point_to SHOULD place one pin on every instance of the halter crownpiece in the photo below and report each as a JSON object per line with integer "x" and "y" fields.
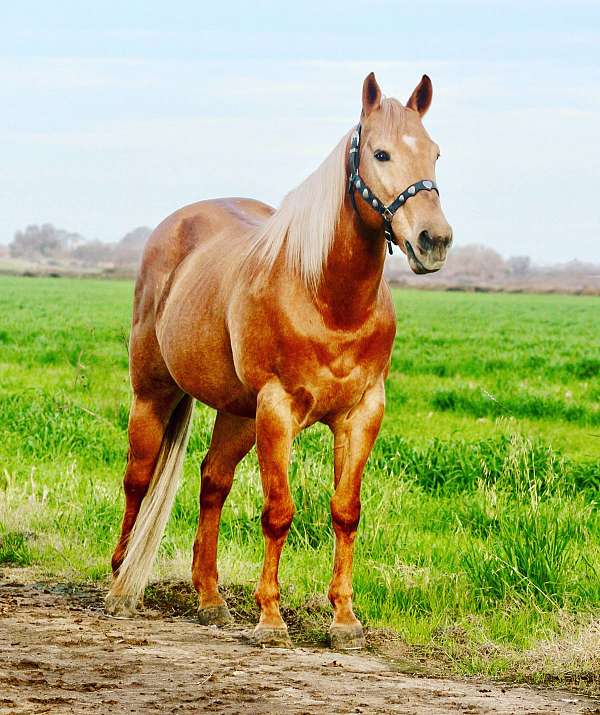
{"x": 356, "y": 183}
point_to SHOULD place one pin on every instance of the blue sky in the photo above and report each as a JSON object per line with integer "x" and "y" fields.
{"x": 115, "y": 114}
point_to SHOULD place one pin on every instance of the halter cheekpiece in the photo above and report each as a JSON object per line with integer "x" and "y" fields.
{"x": 356, "y": 183}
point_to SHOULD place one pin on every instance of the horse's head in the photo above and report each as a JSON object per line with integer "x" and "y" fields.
{"x": 397, "y": 170}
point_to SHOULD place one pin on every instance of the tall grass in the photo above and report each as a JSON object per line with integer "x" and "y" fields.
{"x": 480, "y": 520}
{"x": 479, "y": 402}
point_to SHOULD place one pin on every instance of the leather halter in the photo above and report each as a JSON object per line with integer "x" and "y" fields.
{"x": 356, "y": 183}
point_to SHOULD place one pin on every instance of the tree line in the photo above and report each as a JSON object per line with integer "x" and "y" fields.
{"x": 47, "y": 244}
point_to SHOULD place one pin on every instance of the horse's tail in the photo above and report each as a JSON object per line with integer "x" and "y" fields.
{"x": 144, "y": 540}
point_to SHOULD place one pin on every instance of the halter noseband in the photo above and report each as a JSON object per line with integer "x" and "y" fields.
{"x": 356, "y": 183}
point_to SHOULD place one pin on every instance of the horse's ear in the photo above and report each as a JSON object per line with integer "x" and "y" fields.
{"x": 420, "y": 99}
{"x": 371, "y": 95}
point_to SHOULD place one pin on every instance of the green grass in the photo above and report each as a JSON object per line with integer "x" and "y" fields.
{"x": 480, "y": 531}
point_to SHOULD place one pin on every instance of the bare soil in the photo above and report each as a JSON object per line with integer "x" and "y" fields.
{"x": 59, "y": 653}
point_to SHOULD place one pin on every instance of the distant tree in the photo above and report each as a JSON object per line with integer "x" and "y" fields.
{"x": 519, "y": 266}
{"x": 475, "y": 261}
{"x": 94, "y": 252}
{"x": 46, "y": 243}
{"x": 128, "y": 251}
{"x": 43, "y": 243}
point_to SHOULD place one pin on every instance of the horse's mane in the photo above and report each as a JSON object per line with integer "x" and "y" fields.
{"x": 304, "y": 224}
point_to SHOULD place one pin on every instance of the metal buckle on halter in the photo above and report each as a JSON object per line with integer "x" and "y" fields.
{"x": 387, "y": 215}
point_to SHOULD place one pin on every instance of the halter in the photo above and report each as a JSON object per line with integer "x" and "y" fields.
{"x": 356, "y": 183}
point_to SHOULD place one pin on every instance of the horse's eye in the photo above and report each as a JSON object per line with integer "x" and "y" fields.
{"x": 382, "y": 155}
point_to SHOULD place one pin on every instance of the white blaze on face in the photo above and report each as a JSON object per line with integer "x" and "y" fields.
{"x": 411, "y": 142}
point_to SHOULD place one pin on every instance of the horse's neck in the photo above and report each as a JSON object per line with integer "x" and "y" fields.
{"x": 353, "y": 273}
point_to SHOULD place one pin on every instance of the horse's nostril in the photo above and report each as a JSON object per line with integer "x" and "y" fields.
{"x": 425, "y": 241}
{"x": 428, "y": 243}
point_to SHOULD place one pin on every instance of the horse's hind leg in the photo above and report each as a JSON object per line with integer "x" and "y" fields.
{"x": 232, "y": 439}
{"x": 148, "y": 420}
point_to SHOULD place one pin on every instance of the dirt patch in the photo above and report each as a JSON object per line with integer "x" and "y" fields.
{"x": 60, "y": 654}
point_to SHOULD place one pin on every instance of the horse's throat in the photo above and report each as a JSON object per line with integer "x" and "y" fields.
{"x": 350, "y": 285}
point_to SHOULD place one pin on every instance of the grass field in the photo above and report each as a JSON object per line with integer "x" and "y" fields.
{"x": 480, "y": 536}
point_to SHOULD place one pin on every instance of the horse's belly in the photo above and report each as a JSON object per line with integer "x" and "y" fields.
{"x": 195, "y": 345}
{"x": 201, "y": 365}
{"x": 213, "y": 384}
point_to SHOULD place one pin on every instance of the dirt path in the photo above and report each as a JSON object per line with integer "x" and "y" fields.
{"x": 62, "y": 655}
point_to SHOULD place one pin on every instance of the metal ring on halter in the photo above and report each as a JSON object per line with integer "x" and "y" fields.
{"x": 356, "y": 183}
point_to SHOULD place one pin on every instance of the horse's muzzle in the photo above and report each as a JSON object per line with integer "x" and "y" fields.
{"x": 428, "y": 254}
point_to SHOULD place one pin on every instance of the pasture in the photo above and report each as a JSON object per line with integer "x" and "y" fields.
{"x": 479, "y": 541}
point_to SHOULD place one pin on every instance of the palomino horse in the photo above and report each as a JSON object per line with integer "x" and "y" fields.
{"x": 277, "y": 320}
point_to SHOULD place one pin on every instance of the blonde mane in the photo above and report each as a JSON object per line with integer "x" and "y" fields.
{"x": 304, "y": 224}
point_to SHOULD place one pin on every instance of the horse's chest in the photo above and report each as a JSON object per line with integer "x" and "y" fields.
{"x": 337, "y": 374}
{"x": 347, "y": 363}
{"x": 363, "y": 363}
{"x": 325, "y": 370}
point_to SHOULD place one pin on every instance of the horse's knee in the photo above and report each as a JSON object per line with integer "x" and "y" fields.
{"x": 345, "y": 514}
{"x": 277, "y": 518}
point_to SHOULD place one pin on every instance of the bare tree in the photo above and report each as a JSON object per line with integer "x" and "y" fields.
{"x": 44, "y": 243}
{"x": 93, "y": 253}
{"x": 478, "y": 262}
{"x": 519, "y": 266}
{"x": 128, "y": 251}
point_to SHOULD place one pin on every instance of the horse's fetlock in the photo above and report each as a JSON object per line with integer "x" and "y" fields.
{"x": 340, "y": 594}
{"x": 266, "y": 593}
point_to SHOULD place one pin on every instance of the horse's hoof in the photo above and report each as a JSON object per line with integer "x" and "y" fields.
{"x": 349, "y": 637}
{"x": 272, "y": 637}
{"x": 120, "y": 606}
{"x": 215, "y": 615}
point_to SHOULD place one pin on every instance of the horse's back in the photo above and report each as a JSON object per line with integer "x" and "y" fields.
{"x": 224, "y": 222}
{"x": 189, "y": 227}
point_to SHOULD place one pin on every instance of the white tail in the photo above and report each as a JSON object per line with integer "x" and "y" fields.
{"x": 144, "y": 540}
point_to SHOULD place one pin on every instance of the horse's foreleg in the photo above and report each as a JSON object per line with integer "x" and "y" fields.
{"x": 232, "y": 439}
{"x": 274, "y": 435}
{"x": 148, "y": 419}
{"x": 354, "y": 436}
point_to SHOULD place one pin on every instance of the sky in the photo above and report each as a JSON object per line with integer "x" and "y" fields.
{"x": 114, "y": 114}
